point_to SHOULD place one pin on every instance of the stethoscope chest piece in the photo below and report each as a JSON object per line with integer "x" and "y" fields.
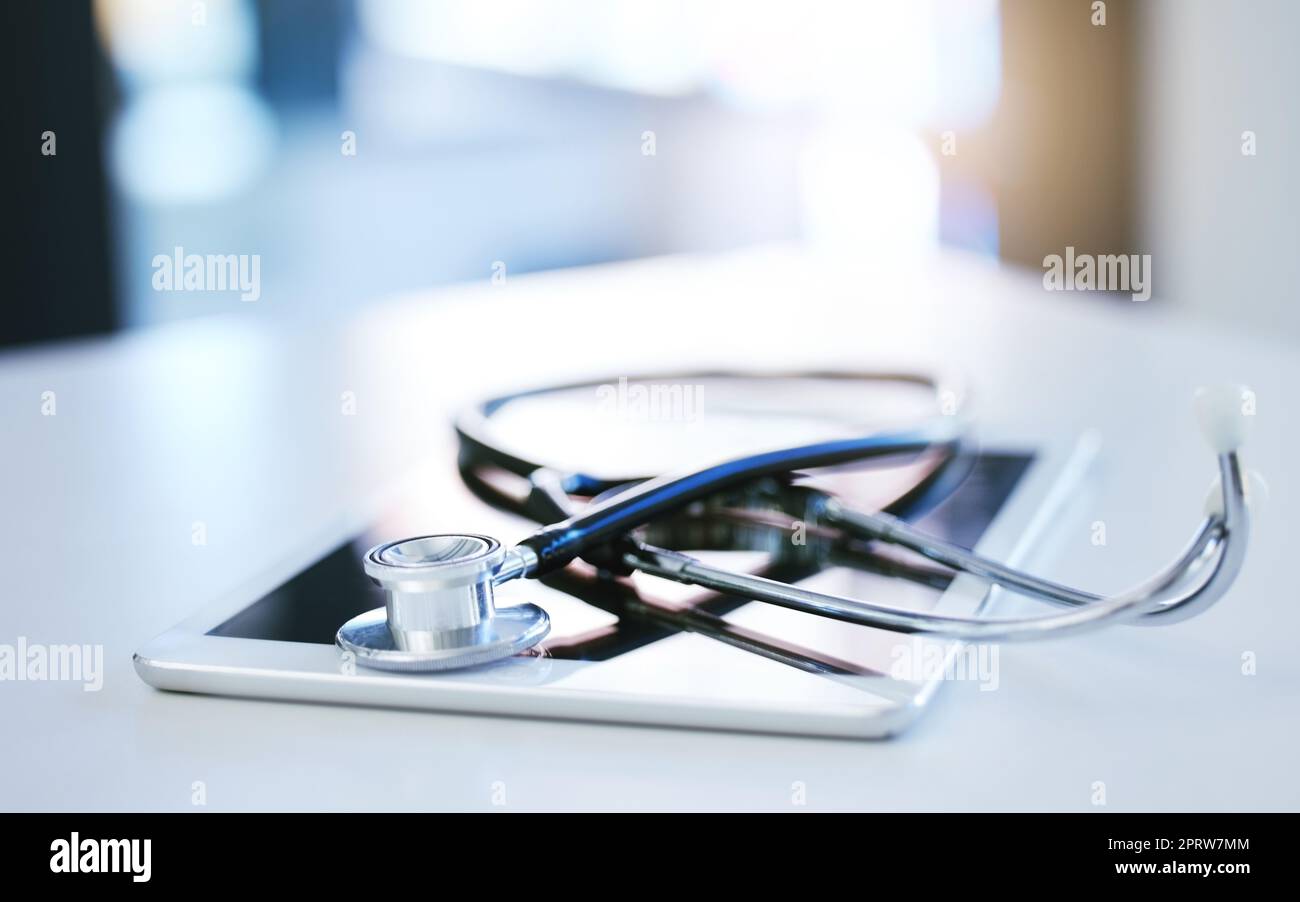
{"x": 440, "y": 613}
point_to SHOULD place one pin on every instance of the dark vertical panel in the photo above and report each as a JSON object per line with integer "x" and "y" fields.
{"x": 57, "y": 280}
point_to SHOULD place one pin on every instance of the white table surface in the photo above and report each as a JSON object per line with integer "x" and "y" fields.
{"x": 236, "y": 422}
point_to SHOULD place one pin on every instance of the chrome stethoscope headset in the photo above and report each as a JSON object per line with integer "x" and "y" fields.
{"x": 440, "y": 613}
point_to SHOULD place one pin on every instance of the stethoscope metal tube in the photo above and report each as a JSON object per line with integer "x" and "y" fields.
{"x": 1151, "y": 597}
{"x": 440, "y": 612}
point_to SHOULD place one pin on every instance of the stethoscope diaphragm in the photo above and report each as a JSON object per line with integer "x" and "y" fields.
{"x": 440, "y": 613}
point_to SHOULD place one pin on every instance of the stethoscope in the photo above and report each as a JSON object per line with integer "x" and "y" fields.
{"x": 440, "y": 612}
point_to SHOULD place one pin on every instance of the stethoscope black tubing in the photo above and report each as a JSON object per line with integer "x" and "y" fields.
{"x": 476, "y": 447}
{"x": 604, "y": 521}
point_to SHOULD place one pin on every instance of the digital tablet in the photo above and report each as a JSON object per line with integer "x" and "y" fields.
{"x": 640, "y": 649}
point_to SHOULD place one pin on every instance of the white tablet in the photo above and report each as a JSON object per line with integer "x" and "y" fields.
{"x": 640, "y": 649}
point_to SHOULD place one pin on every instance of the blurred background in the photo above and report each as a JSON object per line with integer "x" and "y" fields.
{"x": 366, "y": 147}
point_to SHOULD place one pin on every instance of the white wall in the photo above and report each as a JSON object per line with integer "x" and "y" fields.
{"x": 1223, "y": 229}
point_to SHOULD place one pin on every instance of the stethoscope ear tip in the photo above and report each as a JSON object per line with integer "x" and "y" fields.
{"x": 1224, "y": 413}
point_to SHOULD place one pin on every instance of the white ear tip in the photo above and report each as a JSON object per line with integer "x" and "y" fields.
{"x": 1224, "y": 413}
